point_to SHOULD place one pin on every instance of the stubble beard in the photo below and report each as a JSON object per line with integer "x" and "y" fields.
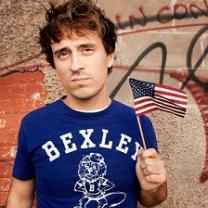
{"x": 84, "y": 96}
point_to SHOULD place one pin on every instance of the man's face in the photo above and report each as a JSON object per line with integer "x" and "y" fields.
{"x": 81, "y": 63}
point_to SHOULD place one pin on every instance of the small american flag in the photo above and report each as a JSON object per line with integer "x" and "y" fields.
{"x": 150, "y": 96}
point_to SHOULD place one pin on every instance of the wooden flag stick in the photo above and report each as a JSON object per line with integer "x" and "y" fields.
{"x": 141, "y": 132}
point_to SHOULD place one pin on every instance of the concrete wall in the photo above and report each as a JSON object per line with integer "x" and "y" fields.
{"x": 177, "y": 30}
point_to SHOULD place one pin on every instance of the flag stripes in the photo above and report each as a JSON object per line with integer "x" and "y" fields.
{"x": 149, "y": 96}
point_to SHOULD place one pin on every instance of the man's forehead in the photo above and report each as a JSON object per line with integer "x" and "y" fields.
{"x": 90, "y": 37}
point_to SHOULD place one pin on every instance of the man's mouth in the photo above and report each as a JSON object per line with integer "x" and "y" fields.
{"x": 80, "y": 80}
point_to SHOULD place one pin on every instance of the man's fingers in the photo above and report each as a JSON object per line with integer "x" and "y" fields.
{"x": 148, "y": 153}
{"x": 151, "y": 162}
{"x": 152, "y": 166}
{"x": 151, "y": 169}
{"x": 155, "y": 178}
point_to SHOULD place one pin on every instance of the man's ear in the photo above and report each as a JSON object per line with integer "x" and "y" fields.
{"x": 111, "y": 58}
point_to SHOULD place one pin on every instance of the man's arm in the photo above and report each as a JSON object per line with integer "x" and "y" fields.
{"x": 152, "y": 198}
{"x": 151, "y": 174}
{"x": 21, "y": 194}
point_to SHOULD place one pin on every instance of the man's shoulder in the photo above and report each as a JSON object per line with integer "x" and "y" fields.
{"x": 130, "y": 111}
{"x": 41, "y": 112}
{"x": 123, "y": 108}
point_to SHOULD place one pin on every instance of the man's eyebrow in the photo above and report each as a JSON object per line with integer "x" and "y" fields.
{"x": 58, "y": 51}
{"x": 85, "y": 45}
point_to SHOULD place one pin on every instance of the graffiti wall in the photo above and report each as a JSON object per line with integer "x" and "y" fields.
{"x": 164, "y": 41}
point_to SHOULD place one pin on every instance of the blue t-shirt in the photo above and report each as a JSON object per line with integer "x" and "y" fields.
{"x": 82, "y": 160}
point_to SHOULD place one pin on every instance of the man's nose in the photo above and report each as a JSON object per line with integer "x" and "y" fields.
{"x": 76, "y": 64}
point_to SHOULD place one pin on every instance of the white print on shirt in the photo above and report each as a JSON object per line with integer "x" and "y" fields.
{"x": 70, "y": 145}
{"x": 92, "y": 171}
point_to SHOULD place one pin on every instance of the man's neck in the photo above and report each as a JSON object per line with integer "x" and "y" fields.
{"x": 87, "y": 105}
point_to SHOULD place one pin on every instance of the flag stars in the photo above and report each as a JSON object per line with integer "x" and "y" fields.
{"x": 141, "y": 89}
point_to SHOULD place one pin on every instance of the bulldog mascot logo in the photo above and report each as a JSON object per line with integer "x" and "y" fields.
{"x": 94, "y": 185}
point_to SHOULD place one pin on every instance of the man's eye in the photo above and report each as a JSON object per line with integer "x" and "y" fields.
{"x": 63, "y": 54}
{"x": 88, "y": 51}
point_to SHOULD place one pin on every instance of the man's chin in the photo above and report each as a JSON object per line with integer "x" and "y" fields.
{"x": 84, "y": 96}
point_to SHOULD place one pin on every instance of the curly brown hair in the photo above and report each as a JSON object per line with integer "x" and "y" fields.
{"x": 76, "y": 16}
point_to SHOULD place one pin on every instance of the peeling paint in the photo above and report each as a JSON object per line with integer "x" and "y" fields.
{"x": 13, "y": 151}
{"x": 2, "y": 112}
{"x": 2, "y": 123}
{"x": 36, "y": 96}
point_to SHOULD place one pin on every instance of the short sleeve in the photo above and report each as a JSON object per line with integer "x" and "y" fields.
{"x": 23, "y": 168}
{"x": 149, "y": 133}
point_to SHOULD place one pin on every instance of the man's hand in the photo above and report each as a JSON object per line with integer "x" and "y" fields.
{"x": 151, "y": 173}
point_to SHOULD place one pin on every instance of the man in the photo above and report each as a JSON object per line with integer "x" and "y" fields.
{"x": 84, "y": 150}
